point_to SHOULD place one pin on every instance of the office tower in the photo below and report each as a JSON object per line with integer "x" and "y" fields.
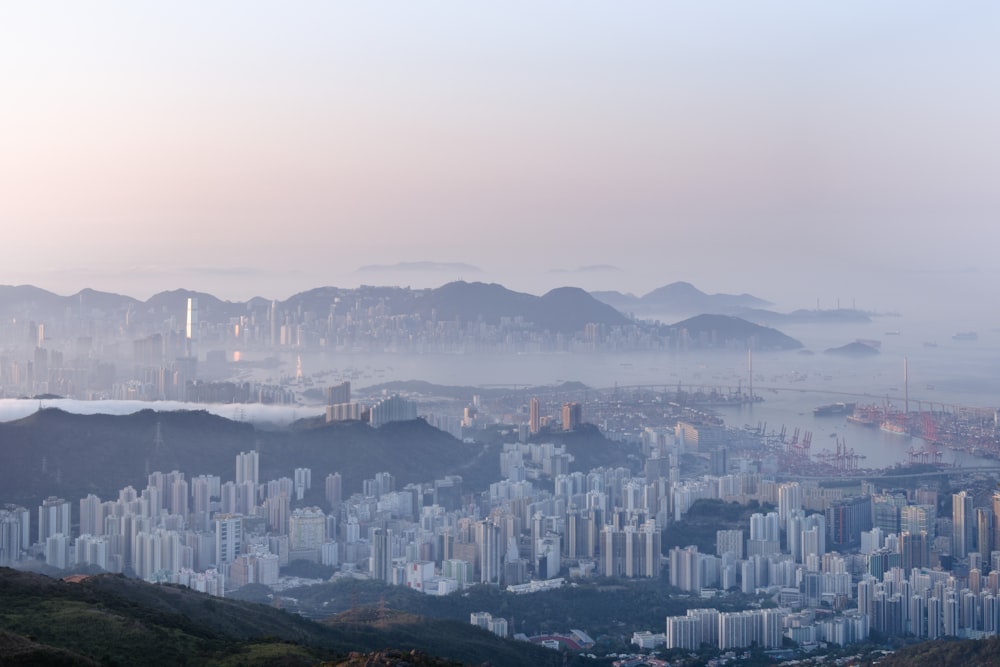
{"x": 248, "y": 467}
{"x": 53, "y": 518}
{"x": 534, "y": 416}
{"x": 963, "y": 522}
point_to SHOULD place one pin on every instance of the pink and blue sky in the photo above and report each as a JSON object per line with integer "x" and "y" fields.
{"x": 795, "y": 150}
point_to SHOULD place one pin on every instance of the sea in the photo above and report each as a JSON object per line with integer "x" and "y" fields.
{"x": 940, "y": 371}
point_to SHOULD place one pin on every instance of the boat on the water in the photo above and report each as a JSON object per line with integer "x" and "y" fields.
{"x": 896, "y": 428}
{"x": 834, "y": 409}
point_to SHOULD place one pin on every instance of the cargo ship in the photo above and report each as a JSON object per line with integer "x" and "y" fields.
{"x": 834, "y": 409}
{"x": 889, "y": 426}
{"x": 866, "y": 415}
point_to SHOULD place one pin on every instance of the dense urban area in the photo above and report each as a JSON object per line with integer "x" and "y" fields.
{"x": 761, "y": 545}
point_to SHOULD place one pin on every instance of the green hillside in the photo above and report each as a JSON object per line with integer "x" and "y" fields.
{"x": 113, "y": 620}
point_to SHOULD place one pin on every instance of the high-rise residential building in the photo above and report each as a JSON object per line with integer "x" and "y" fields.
{"x": 914, "y": 550}
{"x": 303, "y": 482}
{"x": 307, "y": 528}
{"x": 996, "y": 521}
{"x": 985, "y": 527}
{"x": 395, "y": 408}
{"x": 789, "y": 498}
{"x": 489, "y": 547}
{"x": 228, "y": 537}
{"x": 334, "y": 490}
{"x": 685, "y": 568}
{"x": 339, "y": 393}
{"x": 203, "y": 489}
{"x": 53, "y": 518}
{"x": 15, "y": 533}
{"x": 534, "y": 416}
{"x": 729, "y": 541}
{"x": 248, "y": 467}
{"x": 277, "y": 509}
{"x": 178, "y": 496}
{"x": 91, "y": 515}
{"x": 274, "y": 323}
{"x": 962, "y": 524}
{"x": 572, "y": 416}
{"x": 381, "y": 558}
{"x": 191, "y": 331}
{"x": 846, "y": 519}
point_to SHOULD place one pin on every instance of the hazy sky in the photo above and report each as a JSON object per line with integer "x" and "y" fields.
{"x": 797, "y": 150}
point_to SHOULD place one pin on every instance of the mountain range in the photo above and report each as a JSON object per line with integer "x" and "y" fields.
{"x": 680, "y": 298}
{"x": 53, "y": 452}
{"x": 560, "y": 309}
{"x": 565, "y": 310}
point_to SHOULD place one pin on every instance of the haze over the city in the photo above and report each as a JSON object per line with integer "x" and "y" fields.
{"x": 798, "y": 151}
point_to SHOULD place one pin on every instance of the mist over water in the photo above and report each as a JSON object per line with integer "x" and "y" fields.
{"x": 941, "y": 370}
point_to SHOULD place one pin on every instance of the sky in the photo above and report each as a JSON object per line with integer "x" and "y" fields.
{"x": 801, "y": 151}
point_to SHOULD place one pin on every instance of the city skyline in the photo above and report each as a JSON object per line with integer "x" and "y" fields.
{"x": 796, "y": 152}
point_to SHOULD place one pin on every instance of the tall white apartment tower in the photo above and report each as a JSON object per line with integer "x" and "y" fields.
{"x": 191, "y": 332}
{"x": 248, "y": 467}
{"x": 53, "y": 518}
{"x": 963, "y": 522}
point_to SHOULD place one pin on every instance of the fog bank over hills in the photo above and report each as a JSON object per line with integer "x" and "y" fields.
{"x": 12, "y": 409}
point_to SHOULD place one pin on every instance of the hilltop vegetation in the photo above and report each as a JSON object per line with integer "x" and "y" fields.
{"x": 112, "y": 620}
{"x": 57, "y": 453}
{"x": 945, "y": 653}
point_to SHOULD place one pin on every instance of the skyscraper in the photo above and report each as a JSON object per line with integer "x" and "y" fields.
{"x": 572, "y": 416}
{"x": 248, "y": 467}
{"x": 488, "y": 543}
{"x": 534, "y": 416}
{"x": 91, "y": 515}
{"x": 53, "y": 518}
{"x": 191, "y": 331}
{"x": 228, "y": 537}
{"x": 334, "y": 490}
{"x": 963, "y": 524}
{"x": 381, "y": 560}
